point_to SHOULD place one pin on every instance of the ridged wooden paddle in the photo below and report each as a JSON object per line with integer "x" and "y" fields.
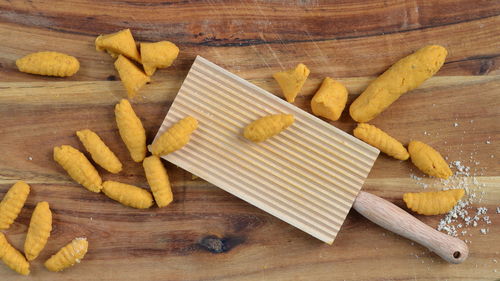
{"x": 309, "y": 175}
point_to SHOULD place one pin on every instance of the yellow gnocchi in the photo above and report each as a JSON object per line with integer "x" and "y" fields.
{"x": 381, "y": 140}
{"x": 78, "y": 167}
{"x": 12, "y": 203}
{"x": 128, "y": 195}
{"x": 99, "y": 151}
{"x": 131, "y": 130}
{"x": 291, "y": 81}
{"x": 38, "y": 231}
{"x": 132, "y": 77}
{"x": 175, "y": 137}
{"x": 433, "y": 203}
{"x": 121, "y": 42}
{"x": 12, "y": 257}
{"x": 428, "y": 160}
{"x": 158, "y": 55}
{"x": 267, "y": 126}
{"x": 68, "y": 256}
{"x": 158, "y": 180}
{"x": 49, "y": 63}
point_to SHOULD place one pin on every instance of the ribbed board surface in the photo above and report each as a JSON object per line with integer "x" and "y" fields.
{"x": 308, "y": 175}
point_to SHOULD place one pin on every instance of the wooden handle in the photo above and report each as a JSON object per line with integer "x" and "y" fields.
{"x": 395, "y": 219}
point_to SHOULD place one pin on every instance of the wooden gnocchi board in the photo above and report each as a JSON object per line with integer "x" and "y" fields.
{"x": 308, "y": 175}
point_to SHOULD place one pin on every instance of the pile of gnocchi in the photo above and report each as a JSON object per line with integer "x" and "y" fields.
{"x": 328, "y": 102}
{"x": 37, "y": 237}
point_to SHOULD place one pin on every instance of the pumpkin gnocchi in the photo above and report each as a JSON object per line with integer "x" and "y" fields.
{"x": 68, "y": 255}
{"x": 433, "y": 203}
{"x": 131, "y": 130}
{"x": 78, "y": 167}
{"x": 428, "y": 160}
{"x": 12, "y": 203}
{"x": 99, "y": 151}
{"x": 12, "y": 257}
{"x": 49, "y": 64}
{"x": 267, "y": 126}
{"x": 381, "y": 140}
{"x": 128, "y": 195}
{"x": 38, "y": 231}
{"x": 175, "y": 137}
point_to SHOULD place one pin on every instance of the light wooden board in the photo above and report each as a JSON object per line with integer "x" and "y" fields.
{"x": 308, "y": 175}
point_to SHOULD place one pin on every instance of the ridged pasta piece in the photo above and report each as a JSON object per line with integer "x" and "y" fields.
{"x": 78, "y": 167}
{"x": 381, "y": 140}
{"x": 12, "y": 257}
{"x": 128, "y": 195}
{"x": 158, "y": 180}
{"x": 12, "y": 203}
{"x": 267, "y": 126}
{"x": 99, "y": 151}
{"x": 131, "y": 130}
{"x": 68, "y": 255}
{"x": 38, "y": 231}
{"x": 175, "y": 137}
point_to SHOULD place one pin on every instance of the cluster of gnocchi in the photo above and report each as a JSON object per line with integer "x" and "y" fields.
{"x": 37, "y": 237}
{"x": 133, "y": 134}
{"x": 405, "y": 75}
{"x": 121, "y": 45}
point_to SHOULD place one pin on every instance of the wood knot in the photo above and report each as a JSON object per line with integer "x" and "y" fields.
{"x": 218, "y": 245}
{"x": 111, "y": 78}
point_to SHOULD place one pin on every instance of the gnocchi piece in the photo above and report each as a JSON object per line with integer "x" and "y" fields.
{"x": 78, "y": 167}
{"x": 158, "y": 55}
{"x": 12, "y": 257}
{"x": 433, "y": 203}
{"x": 329, "y": 101}
{"x": 121, "y": 42}
{"x": 132, "y": 77}
{"x": 128, "y": 195}
{"x": 428, "y": 160}
{"x": 267, "y": 126}
{"x": 131, "y": 130}
{"x": 68, "y": 256}
{"x": 99, "y": 151}
{"x": 291, "y": 81}
{"x": 158, "y": 180}
{"x": 175, "y": 137}
{"x": 405, "y": 75}
{"x": 381, "y": 140}
{"x": 49, "y": 63}
{"x": 38, "y": 231}
{"x": 12, "y": 203}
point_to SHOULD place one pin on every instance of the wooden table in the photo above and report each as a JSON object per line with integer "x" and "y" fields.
{"x": 457, "y": 112}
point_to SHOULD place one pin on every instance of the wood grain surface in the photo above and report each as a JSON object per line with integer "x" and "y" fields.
{"x": 207, "y": 234}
